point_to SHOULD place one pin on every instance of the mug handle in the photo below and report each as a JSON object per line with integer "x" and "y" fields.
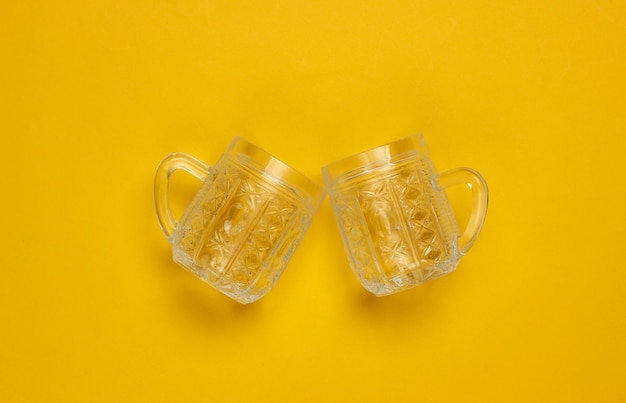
{"x": 167, "y": 166}
{"x": 480, "y": 196}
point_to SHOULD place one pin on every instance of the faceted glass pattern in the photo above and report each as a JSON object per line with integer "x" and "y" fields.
{"x": 397, "y": 225}
{"x": 244, "y": 224}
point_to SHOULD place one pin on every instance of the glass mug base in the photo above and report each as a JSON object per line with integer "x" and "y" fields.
{"x": 408, "y": 279}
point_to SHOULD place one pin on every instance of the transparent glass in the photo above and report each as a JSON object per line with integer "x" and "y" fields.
{"x": 397, "y": 224}
{"x": 240, "y": 230}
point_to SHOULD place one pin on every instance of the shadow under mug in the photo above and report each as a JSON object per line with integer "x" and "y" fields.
{"x": 244, "y": 223}
{"x": 394, "y": 216}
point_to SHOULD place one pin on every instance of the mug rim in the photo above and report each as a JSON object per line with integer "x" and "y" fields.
{"x": 274, "y": 168}
{"x": 367, "y": 160}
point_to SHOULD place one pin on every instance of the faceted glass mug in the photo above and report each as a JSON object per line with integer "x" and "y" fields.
{"x": 240, "y": 230}
{"x": 395, "y": 219}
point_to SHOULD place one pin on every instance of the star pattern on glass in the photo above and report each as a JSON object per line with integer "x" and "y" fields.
{"x": 394, "y": 251}
{"x": 241, "y": 234}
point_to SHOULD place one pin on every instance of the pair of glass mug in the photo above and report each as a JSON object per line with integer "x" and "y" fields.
{"x": 252, "y": 211}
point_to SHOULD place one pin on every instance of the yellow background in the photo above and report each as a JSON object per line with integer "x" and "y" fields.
{"x": 93, "y": 94}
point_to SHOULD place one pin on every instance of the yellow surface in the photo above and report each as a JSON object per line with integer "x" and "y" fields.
{"x": 94, "y": 94}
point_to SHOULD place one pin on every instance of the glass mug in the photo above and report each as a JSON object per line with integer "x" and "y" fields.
{"x": 395, "y": 219}
{"x": 243, "y": 225}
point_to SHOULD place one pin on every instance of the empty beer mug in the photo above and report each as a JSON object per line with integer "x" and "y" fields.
{"x": 243, "y": 225}
{"x": 394, "y": 216}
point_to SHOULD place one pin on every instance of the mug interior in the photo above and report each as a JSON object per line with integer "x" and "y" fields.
{"x": 375, "y": 158}
{"x": 274, "y": 169}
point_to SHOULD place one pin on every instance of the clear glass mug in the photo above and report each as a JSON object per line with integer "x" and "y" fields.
{"x": 395, "y": 219}
{"x": 240, "y": 230}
